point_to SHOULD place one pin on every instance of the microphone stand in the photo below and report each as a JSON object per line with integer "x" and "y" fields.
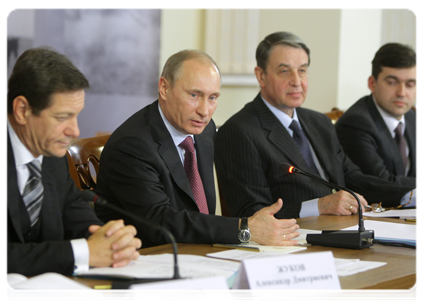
{"x": 337, "y": 238}
{"x": 89, "y": 195}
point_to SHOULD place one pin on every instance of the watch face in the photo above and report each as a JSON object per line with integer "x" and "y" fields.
{"x": 244, "y": 236}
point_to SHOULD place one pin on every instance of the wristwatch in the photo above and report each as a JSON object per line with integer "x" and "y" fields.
{"x": 244, "y": 234}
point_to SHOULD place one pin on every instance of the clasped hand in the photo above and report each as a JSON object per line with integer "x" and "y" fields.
{"x": 113, "y": 244}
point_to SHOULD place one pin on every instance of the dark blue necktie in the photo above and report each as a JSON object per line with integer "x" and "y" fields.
{"x": 303, "y": 145}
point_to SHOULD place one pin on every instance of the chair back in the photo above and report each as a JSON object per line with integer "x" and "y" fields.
{"x": 334, "y": 115}
{"x": 84, "y": 160}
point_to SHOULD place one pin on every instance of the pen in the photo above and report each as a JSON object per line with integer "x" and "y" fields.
{"x": 102, "y": 287}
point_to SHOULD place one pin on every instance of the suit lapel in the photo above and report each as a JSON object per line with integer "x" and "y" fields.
{"x": 278, "y": 135}
{"x": 50, "y": 214}
{"x": 167, "y": 149}
{"x": 13, "y": 194}
{"x": 317, "y": 137}
{"x": 410, "y": 136}
{"x": 386, "y": 136}
{"x": 205, "y": 151}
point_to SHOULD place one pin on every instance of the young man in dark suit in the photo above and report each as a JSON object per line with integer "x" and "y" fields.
{"x": 367, "y": 130}
{"x": 145, "y": 164}
{"x": 274, "y": 129}
{"x": 50, "y": 227}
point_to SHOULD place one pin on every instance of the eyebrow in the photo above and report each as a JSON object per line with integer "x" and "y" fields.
{"x": 286, "y": 65}
{"x": 202, "y": 93}
{"x": 397, "y": 79}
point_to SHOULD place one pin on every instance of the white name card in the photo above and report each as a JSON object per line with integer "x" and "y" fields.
{"x": 210, "y": 288}
{"x": 291, "y": 271}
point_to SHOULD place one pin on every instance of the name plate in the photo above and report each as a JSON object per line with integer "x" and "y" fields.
{"x": 211, "y": 288}
{"x": 299, "y": 271}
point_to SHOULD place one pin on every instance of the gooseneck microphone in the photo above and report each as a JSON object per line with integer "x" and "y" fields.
{"x": 88, "y": 196}
{"x": 337, "y": 238}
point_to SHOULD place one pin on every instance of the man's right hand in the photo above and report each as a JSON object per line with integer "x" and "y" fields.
{"x": 340, "y": 203}
{"x": 113, "y": 244}
{"x": 265, "y": 229}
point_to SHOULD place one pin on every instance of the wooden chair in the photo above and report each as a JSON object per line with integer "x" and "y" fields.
{"x": 84, "y": 160}
{"x": 334, "y": 115}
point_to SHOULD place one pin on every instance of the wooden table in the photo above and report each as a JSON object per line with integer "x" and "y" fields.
{"x": 398, "y": 273}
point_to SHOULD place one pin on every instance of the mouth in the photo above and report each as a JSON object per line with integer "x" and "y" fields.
{"x": 295, "y": 94}
{"x": 198, "y": 123}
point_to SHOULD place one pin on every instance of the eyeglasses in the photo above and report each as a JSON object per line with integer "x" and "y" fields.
{"x": 377, "y": 207}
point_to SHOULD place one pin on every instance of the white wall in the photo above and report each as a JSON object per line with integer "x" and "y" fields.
{"x": 359, "y": 42}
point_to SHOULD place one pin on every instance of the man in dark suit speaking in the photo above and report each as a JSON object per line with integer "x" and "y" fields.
{"x": 50, "y": 227}
{"x": 378, "y": 132}
{"x": 159, "y": 164}
{"x": 274, "y": 129}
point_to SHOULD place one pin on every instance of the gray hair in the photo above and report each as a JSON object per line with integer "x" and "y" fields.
{"x": 278, "y": 38}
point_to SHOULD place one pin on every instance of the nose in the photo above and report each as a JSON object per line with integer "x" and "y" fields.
{"x": 401, "y": 89}
{"x": 295, "y": 79}
{"x": 72, "y": 129}
{"x": 202, "y": 108}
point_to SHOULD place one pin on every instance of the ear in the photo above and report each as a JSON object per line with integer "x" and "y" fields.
{"x": 163, "y": 88}
{"x": 260, "y": 75}
{"x": 21, "y": 110}
{"x": 371, "y": 83}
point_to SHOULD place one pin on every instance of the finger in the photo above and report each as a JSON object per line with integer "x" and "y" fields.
{"x": 275, "y": 207}
{"x": 125, "y": 253}
{"x": 123, "y": 241}
{"x": 121, "y": 263}
{"x": 93, "y": 228}
{"x": 114, "y": 226}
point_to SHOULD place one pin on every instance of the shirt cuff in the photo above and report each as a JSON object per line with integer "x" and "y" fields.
{"x": 309, "y": 208}
{"x": 81, "y": 254}
{"x": 406, "y": 199}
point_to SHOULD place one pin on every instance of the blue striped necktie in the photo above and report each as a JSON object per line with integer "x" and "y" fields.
{"x": 33, "y": 191}
{"x": 303, "y": 144}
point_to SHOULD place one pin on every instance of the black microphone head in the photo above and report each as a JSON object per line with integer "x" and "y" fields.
{"x": 88, "y": 195}
{"x": 287, "y": 168}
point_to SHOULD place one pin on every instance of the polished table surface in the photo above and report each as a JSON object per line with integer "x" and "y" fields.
{"x": 398, "y": 273}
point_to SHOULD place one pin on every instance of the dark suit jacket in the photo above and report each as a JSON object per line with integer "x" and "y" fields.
{"x": 367, "y": 141}
{"x": 142, "y": 172}
{"x": 253, "y": 143}
{"x": 63, "y": 216}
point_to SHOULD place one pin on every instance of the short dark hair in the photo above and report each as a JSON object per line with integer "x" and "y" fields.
{"x": 274, "y": 39}
{"x": 393, "y": 55}
{"x": 172, "y": 68}
{"x": 38, "y": 74}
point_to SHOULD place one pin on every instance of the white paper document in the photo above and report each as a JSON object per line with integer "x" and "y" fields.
{"x": 344, "y": 267}
{"x": 193, "y": 289}
{"x": 389, "y": 230}
{"x": 161, "y": 266}
{"x": 46, "y": 281}
{"x": 398, "y": 213}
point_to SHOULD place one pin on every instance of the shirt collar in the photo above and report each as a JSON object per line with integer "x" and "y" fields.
{"x": 21, "y": 153}
{"x": 281, "y": 116}
{"x": 177, "y": 136}
{"x": 389, "y": 120}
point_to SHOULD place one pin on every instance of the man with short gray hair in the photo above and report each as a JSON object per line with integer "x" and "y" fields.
{"x": 275, "y": 129}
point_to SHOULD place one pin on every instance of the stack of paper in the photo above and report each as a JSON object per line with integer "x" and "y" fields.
{"x": 391, "y": 232}
{"x": 161, "y": 266}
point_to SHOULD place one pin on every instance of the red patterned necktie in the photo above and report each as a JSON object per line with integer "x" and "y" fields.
{"x": 191, "y": 170}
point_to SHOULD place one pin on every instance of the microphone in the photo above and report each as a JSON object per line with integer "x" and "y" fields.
{"x": 337, "y": 238}
{"x": 89, "y": 195}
